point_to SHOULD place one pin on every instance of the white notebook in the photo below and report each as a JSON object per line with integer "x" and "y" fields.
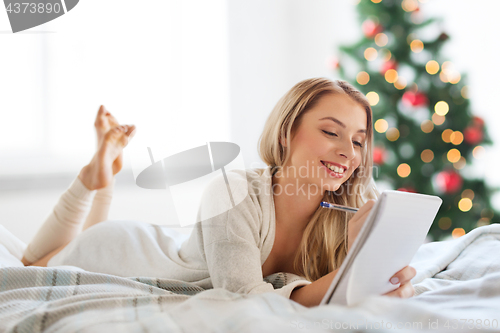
{"x": 391, "y": 235}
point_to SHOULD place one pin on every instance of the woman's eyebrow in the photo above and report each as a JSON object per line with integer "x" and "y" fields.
{"x": 341, "y": 123}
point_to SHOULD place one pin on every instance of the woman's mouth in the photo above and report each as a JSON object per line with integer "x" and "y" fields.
{"x": 330, "y": 169}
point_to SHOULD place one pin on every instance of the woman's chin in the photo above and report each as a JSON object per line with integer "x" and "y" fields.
{"x": 333, "y": 188}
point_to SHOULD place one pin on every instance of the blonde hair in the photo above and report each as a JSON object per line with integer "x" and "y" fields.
{"x": 323, "y": 247}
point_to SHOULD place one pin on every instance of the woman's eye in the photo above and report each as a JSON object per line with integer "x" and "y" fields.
{"x": 331, "y": 134}
{"x": 355, "y": 142}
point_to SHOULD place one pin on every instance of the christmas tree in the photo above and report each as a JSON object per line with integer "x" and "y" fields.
{"x": 425, "y": 133}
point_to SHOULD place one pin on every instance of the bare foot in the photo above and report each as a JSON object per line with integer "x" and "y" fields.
{"x": 99, "y": 172}
{"x": 104, "y": 121}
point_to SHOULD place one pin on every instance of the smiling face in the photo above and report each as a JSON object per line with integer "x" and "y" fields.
{"x": 331, "y": 133}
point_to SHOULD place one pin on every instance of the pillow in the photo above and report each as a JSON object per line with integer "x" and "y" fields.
{"x": 11, "y": 248}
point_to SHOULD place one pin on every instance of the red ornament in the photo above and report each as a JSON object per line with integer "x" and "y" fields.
{"x": 407, "y": 189}
{"x": 411, "y": 98}
{"x": 473, "y": 135}
{"x": 391, "y": 64}
{"x": 478, "y": 121}
{"x": 371, "y": 29}
{"x": 443, "y": 36}
{"x": 449, "y": 181}
{"x": 333, "y": 63}
{"x": 379, "y": 155}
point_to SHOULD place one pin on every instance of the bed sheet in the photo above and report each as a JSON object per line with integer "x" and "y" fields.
{"x": 457, "y": 289}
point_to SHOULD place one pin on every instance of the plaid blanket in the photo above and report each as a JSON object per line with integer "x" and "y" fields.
{"x": 457, "y": 287}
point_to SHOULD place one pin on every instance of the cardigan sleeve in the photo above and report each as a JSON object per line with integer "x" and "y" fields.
{"x": 231, "y": 245}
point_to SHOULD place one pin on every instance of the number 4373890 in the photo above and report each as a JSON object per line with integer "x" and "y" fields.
{"x": 26, "y": 7}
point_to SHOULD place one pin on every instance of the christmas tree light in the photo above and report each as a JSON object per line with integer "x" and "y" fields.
{"x": 424, "y": 129}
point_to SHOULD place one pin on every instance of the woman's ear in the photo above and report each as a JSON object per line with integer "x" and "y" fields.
{"x": 283, "y": 141}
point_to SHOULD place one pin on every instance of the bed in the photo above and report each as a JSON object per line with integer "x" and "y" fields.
{"x": 457, "y": 288}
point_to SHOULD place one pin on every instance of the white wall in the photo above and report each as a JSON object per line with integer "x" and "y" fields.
{"x": 274, "y": 45}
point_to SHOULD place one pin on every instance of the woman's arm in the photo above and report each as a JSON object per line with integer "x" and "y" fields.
{"x": 312, "y": 294}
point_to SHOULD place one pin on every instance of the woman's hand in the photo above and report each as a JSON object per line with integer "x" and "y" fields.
{"x": 404, "y": 276}
{"x": 357, "y": 221}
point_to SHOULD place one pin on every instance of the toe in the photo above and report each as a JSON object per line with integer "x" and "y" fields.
{"x": 114, "y": 132}
{"x": 100, "y": 118}
{"x": 130, "y": 131}
{"x": 102, "y": 110}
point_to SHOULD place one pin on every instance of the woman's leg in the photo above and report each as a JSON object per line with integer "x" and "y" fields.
{"x": 98, "y": 213}
{"x": 65, "y": 221}
{"x": 100, "y": 206}
{"x": 62, "y": 224}
{"x": 102, "y": 200}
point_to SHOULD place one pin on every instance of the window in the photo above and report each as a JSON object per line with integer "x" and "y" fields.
{"x": 161, "y": 65}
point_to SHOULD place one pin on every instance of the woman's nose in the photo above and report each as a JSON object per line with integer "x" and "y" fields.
{"x": 346, "y": 150}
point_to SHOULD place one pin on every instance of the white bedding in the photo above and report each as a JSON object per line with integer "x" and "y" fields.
{"x": 457, "y": 283}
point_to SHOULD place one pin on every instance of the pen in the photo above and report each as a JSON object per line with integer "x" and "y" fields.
{"x": 339, "y": 207}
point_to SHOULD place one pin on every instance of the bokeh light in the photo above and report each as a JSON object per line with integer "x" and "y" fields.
{"x": 373, "y": 98}
{"x": 381, "y": 125}
{"x": 400, "y": 83}
{"x": 465, "y": 92}
{"x": 443, "y": 77}
{"x": 441, "y": 108}
{"x": 381, "y": 39}
{"x": 453, "y": 155}
{"x": 403, "y": 170}
{"x": 427, "y": 126}
{"x": 409, "y": 5}
{"x": 446, "y": 135}
{"x": 478, "y": 152}
{"x": 457, "y": 232}
{"x": 427, "y": 155}
{"x": 417, "y": 17}
{"x": 363, "y": 78}
{"x": 392, "y": 134}
{"x": 482, "y": 222}
{"x": 411, "y": 37}
{"x": 447, "y": 66}
{"x": 468, "y": 193}
{"x": 371, "y": 54}
{"x": 465, "y": 204}
{"x": 385, "y": 54}
{"x": 455, "y": 77}
{"x": 417, "y": 45}
{"x": 456, "y": 138}
{"x": 444, "y": 223}
{"x": 437, "y": 119}
{"x": 432, "y": 67}
{"x": 391, "y": 75}
{"x": 406, "y": 150}
{"x": 460, "y": 164}
{"x": 449, "y": 73}
{"x": 488, "y": 213}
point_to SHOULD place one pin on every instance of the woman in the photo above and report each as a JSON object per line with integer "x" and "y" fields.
{"x": 319, "y": 127}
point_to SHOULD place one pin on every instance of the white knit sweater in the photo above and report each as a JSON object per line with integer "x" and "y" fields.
{"x": 226, "y": 251}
